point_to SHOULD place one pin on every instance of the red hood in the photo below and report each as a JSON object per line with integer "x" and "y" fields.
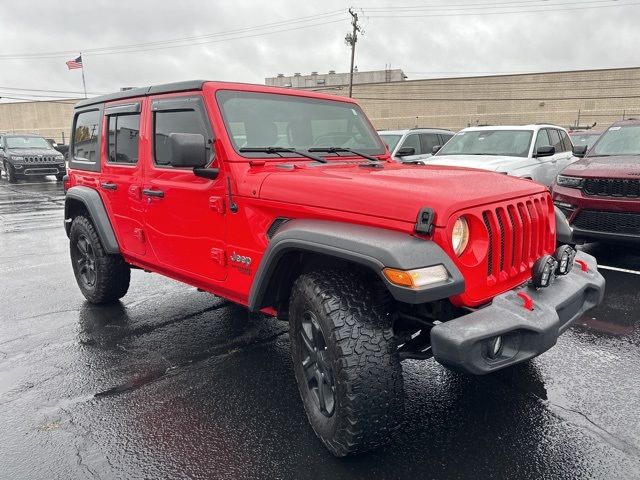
{"x": 396, "y": 191}
{"x": 605, "y": 167}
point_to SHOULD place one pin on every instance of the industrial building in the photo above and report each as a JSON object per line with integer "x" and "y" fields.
{"x": 570, "y": 99}
{"x": 51, "y": 119}
{"x": 333, "y": 79}
{"x": 573, "y": 98}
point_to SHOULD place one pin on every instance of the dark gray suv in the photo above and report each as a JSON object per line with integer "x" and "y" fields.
{"x": 28, "y": 155}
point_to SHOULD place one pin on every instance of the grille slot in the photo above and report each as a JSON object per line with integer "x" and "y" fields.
{"x": 485, "y": 217}
{"x": 612, "y": 187}
{"x": 522, "y": 232}
{"x": 608, "y": 222}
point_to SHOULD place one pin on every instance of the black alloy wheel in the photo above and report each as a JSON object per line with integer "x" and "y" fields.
{"x": 317, "y": 365}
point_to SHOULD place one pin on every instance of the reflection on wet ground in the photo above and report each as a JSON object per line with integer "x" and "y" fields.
{"x": 173, "y": 383}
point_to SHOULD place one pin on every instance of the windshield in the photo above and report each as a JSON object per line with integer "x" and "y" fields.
{"x": 620, "y": 140}
{"x": 390, "y": 140}
{"x": 255, "y": 120}
{"x": 588, "y": 139}
{"x": 27, "y": 142}
{"x": 512, "y": 143}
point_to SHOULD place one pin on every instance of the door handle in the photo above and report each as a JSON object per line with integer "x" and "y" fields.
{"x": 153, "y": 193}
{"x": 109, "y": 186}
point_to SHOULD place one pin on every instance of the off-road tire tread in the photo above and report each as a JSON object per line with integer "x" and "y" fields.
{"x": 368, "y": 372}
{"x": 114, "y": 274}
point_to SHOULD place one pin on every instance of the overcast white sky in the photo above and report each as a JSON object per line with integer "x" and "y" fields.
{"x": 424, "y": 46}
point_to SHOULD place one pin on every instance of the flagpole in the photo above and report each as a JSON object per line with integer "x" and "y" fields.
{"x": 84, "y": 84}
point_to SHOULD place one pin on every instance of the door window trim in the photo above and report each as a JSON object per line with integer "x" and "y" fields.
{"x": 176, "y": 104}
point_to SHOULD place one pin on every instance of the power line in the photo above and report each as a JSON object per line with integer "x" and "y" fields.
{"x": 482, "y": 14}
{"x": 483, "y": 6}
{"x": 537, "y": 99}
{"x": 186, "y": 41}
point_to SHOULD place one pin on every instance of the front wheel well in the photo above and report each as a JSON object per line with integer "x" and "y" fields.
{"x": 298, "y": 262}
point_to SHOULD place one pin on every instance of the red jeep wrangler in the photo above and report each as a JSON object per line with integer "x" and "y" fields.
{"x": 287, "y": 202}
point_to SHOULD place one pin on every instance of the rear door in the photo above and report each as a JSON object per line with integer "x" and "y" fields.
{"x": 121, "y": 175}
{"x": 567, "y": 157}
{"x": 184, "y": 214}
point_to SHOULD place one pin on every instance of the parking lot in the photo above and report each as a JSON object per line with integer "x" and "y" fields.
{"x": 175, "y": 383}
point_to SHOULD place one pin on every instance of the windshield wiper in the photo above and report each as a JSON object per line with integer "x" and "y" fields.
{"x": 278, "y": 150}
{"x": 337, "y": 150}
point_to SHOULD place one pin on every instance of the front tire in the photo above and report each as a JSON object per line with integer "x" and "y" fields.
{"x": 346, "y": 361}
{"x": 11, "y": 173}
{"x": 102, "y": 277}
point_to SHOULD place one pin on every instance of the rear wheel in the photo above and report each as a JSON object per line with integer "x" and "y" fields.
{"x": 346, "y": 361}
{"x": 102, "y": 277}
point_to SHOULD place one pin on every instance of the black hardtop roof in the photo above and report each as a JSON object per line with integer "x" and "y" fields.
{"x": 143, "y": 92}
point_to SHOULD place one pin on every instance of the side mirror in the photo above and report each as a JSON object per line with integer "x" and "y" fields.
{"x": 436, "y": 149}
{"x": 545, "y": 151}
{"x": 187, "y": 150}
{"x": 579, "y": 150}
{"x": 405, "y": 152}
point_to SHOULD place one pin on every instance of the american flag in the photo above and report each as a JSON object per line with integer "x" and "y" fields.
{"x": 75, "y": 63}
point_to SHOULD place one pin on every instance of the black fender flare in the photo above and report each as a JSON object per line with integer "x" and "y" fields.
{"x": 375, "y": 248}
{"x": 93, "y": 203}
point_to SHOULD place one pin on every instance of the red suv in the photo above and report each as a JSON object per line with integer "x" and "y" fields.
{"x": 286, "y": 201}
{"x": 600, "y": 194}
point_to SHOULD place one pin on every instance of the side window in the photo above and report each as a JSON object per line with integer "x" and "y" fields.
{"x": 568, "y": 146}
{"x": 428, "y": 141}
{"x": 555, "y": 140}
{"x": 85, "y": 137}
{"x": 166, "y": 122}
{"x": 123, "y": 135}
{"x": 542, "y": 140}
{"x": 445, "y": 138}
{"x": 412, "y": 141}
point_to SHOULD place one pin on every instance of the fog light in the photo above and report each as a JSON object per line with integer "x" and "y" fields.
{"x": 544, "y": 271}
{"x": 494, "y": 347}
{"x": 18, "y": 167}
{"x": 564, "y": 256}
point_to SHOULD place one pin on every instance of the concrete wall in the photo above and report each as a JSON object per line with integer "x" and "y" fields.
{"x": 49, "y": 119}
{"x": 601, "y": 96}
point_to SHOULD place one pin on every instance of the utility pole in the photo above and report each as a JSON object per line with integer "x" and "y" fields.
{"x": 351, "y": 40}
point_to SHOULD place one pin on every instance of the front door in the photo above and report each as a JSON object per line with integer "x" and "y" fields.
{"x": 185, "y": 215}
{"x": 121, "y": 176}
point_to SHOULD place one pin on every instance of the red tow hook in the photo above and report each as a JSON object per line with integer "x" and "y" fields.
{"x": 528, "y": 301}
{"x": 583, "y": 265}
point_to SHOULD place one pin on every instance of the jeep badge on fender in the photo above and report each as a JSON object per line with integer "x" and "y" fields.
{"x": 371, "y": 262}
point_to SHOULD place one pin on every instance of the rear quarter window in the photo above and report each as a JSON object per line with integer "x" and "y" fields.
{"x": 85, "y": 140}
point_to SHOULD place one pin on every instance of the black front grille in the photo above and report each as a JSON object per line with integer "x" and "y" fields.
{"x": 612, "y": 187}
{"x": 485, "y": 218}
{"x": 609, "y": 222}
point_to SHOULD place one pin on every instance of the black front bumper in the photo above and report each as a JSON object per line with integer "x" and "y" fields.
{"x": 462, "y": 344}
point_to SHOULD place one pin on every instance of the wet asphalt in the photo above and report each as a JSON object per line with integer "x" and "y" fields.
{"x": 175, "y": 383}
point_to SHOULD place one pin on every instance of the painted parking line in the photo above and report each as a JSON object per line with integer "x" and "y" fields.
{"x": 617, "y": 269}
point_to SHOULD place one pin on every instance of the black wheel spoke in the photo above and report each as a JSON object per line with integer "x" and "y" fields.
{"x": 321, "y": 398}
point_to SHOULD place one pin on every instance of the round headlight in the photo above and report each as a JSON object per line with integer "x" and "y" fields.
{"x": 460, "y": 236}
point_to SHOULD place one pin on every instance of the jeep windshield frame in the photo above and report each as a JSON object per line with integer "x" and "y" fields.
{"x": 294, "y": 124}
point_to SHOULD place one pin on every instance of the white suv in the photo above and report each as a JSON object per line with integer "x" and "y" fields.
{"x": 536, "y": 152}
{"x": 416, "y": 143}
